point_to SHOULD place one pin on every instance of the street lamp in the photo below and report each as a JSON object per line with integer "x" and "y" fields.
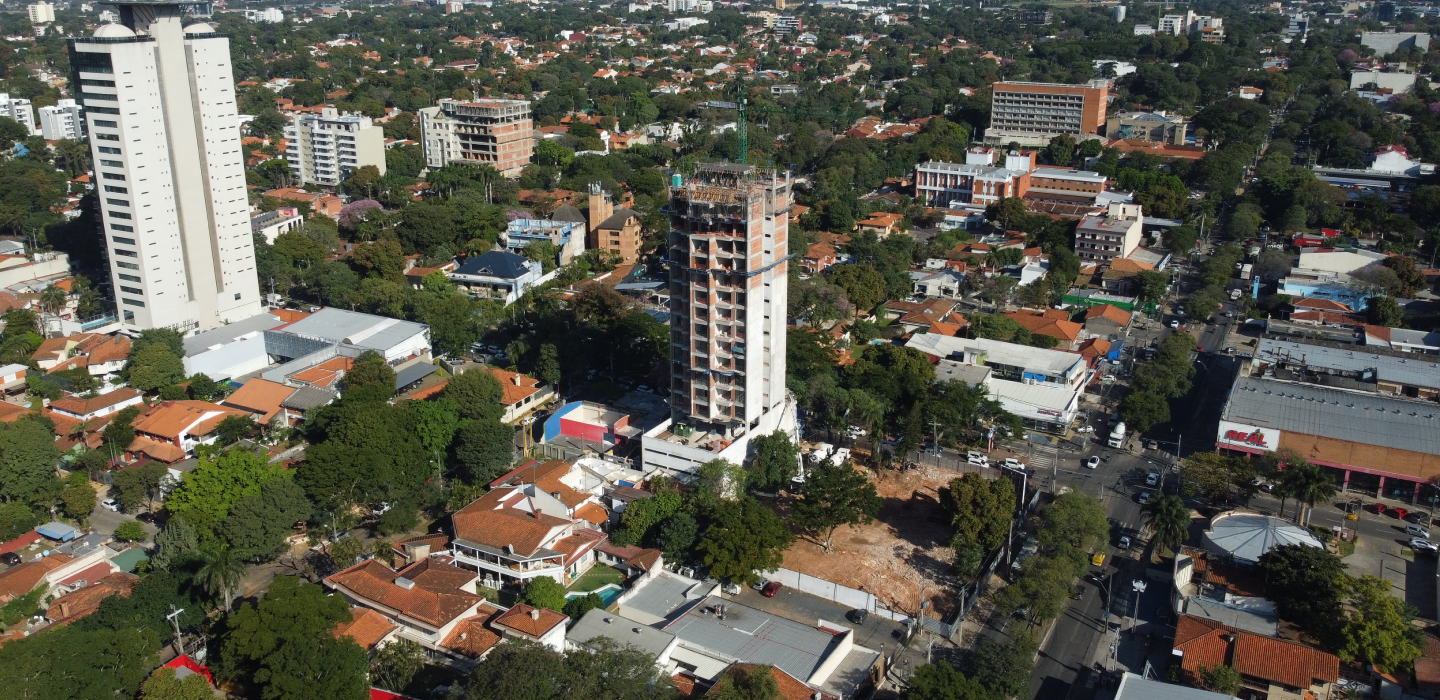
{"x": 1137, "y": 586}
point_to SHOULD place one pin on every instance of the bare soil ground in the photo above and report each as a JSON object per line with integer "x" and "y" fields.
{"x": 905, "y": 550}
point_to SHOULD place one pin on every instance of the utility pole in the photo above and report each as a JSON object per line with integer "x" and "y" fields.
{"x": 174, "y": 618}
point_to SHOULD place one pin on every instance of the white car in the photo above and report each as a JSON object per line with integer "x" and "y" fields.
{"x": 1144, "y": 497}
{"x": 840, "y": 457}
{"x": 1421, "y": 544}
{"x": 1092, "y": 462}
{"x": 977, "y": 458}
{"x": 1124, "y": 542}
{"x": 110, "y": 504}
{"x": 1152, "y": 479}
{"x": 1012, "y": 463}
{"x": 855, "y": 432}
{"x": 1174, "y": 323}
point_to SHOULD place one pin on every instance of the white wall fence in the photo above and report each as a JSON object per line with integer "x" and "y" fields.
{"x": 829, "y": 590}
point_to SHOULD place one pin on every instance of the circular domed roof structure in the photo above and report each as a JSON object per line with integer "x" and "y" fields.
{"x": 114, "y": 31}
{"x": 199, "y": 28}
{"x": 1248, "y": 536}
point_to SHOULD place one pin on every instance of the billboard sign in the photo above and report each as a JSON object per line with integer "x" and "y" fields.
{"x": 1241, "y": 435}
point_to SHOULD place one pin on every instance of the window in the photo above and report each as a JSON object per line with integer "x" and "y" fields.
{"x": 106, "y": 122}
{"x": 126, "y": 266}
{"x": 129, "y": 316}
{"x": 102, "y": 110}
{"x": 117, "y": 202}
{"x": 128, "y": 278}
{"x": 126, "y": 241}
{"x": 133, "y": 302}
{"x": 131, "y": 290}
{"x": 97, "y": 83}
{"x": 122, "y": 227}
{"x": 107, "y": 137}
{"x": 112, "y": 176}
{"x": 116, "y": 190}
{"x": 237, "y": 296}
{"x": 112, "y": 163}
{"x": 127, "y": 253}
{"x": 110, "y": 150}
{"x": 120, "y": 215}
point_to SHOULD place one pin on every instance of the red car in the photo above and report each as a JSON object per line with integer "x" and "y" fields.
{"x": 1379, "y": 508}
{"x": 1399, "y": 512}
{"x": 771, "y": 589}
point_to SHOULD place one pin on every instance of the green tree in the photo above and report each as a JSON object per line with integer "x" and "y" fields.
{"x": 286, "y": 648}
{"x": 776, "y": 460}
{"x": 575, "y": 608}
{"x": 234, "y": 428}
{"x": 1220, "y": 678}
{"x": 747, "y": 682}
{"x": 677, "y": 537}
{"x": 743, "y": 537}
{"x": 547, "y": 367}
{"x": 137, "y": 486}
{"x": 1377, "y": 629}
{"x": 364, "y": 454}
{"x": 478, "y": 395}
{"x": 833, "y": 496}
{"x": 166, "y": 686}
{"x": 257, "y": 526}
{"x": 394, "y": 665}
{"x": 940, "y": 681}
{"x": 1074, "y": 520}
{"x": 1005, "y": 667}
{"x": 75, "y": 663}
{"x": 220, "y": 571}
{"x": 1309, "y": 485}
{"x": 78, "y": 497}
{"x": 1151, "y": 285}
{"x": 1384, "y": 311}
{"x": 1308, "y": 585}
{"x": 1142, "y": 410}
{"x": 176, "y": 543}
{"x": 119, "y": 432}
{"x": 485, "y": 448}
{"x": 131, "y": 531}
{"x": 370, "y": 379}
{"x": 16, "y": 519}
{"x": 154, "y": 366}
{"x": 27, "y": 463}
{"x": 1169, "y": 518}
{"x": 980, "y": 509}
{"x": 863, "y": 285}
{"x": 217, "y": 484}
{"x": 544, "y": 592}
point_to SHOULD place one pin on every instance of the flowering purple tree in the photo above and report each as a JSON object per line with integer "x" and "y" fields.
{"x": 353, "y": 213}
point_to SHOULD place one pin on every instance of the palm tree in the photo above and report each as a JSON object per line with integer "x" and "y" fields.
{"x": 1169, "y": 518}
{"x": 1309, "y": 485}
{"x": 220, "y": 572}
{"x": 53, "y": 299}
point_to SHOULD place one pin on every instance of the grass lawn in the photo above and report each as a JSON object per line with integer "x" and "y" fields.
{"x": 597, "y": 577}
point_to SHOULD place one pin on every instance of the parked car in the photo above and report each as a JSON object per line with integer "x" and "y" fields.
{"x": 1012, "y": 463}
{"x": 1418, "y": 517}
{"x": 1174, "y": 324}
{"x": 1144, "y": 497}
{"x": 858, "y": 616}
{"x": 1092, "y": 462}
{"x": 110, "y": 504}
{"x": 771, "y": 589}
{"x": 1399, "y": 512}
{"x": 977, "y": 458}
{"x": 1417, "y": 531}
{"x": 855, "y": 432}
{"x": 1379, "y": 508}
{"x": 1124, "y": 542}
{"x": 145, "y": 517}
{"x": 10, "y": 558}
{"x": 1421, "y": 544}
{"x": 1152, "y": 479}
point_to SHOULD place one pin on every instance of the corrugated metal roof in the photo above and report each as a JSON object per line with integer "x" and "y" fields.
{"x": 662, "y": 595}
{"x": 602, "y": 623}
{"x": 1343, "y": 415}
{"x": 755, "y": 636}
{"x": 412, "y": 374}
{"x": 1134, "y": 687}
{"x": 1411, "y": 370}
{"x": 361, "y": 330}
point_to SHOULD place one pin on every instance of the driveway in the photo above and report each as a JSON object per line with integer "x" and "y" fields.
{"x": 104, "y": 521}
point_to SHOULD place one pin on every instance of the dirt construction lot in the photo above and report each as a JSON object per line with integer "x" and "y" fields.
{"x": 906, "y": 549}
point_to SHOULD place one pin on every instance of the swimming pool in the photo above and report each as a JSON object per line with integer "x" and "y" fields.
{"x": 607, "y": 593}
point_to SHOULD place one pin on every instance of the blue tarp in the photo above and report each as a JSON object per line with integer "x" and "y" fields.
{"x": 1115, "y": 349}
{"x": 58, "y": 531}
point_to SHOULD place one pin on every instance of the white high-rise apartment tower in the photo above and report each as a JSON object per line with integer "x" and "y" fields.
{"x": 60, "y": 121}
{"x": 41, "y": 13}
{"x": 159, "y": 105}
{"x": 327, "y": 148}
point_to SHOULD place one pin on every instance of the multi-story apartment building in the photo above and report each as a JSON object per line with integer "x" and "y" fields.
{"x": 41, "y": 13}
{"x": 785, "y": 24}
{"x": 1211, "y": 29}
{"x": 61, "y": 120}
{"x": 17, "y": 108}
{"x": 615, "y": 230}
{"x": 1114, "y": 234}
{"x": 499, "y": 133}
{"x": 728, "y": 265}
{"x": 159, "y": 100}
{"x": 327, "y": 148}
{"x": 1032, "y": 113}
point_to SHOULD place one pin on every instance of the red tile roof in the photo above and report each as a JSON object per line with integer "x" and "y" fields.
{"x": 1211, "y": 643}
{"x": 1321, "y": 304}
{"x": 84, "y": 407}
{"x": 1108, "y": 312}
{"x": 73, "y": 606}
{"x": 531, "y": 621}
{"x": 494, "y": 521}
{"x": 1047, "y": 324}
{"x": 514, "y": 392}
{"x": 472, "y": 636}
{"x": 260, "y": 396}
{"x": 430, "y": 600}
{"x": 367, "y": 627}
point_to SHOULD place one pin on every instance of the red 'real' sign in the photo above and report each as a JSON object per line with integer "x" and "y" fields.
{"x": 1256, "y": 438}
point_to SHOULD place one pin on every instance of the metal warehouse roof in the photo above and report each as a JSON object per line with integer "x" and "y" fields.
{"x": 1309, "y": 409}
{"x": 362, "y": 330}
{"x": 1410, "y": 370}
{"x": 754, "y": 636}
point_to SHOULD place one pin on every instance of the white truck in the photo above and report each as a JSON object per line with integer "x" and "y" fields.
{"x": 1117, "y": 436}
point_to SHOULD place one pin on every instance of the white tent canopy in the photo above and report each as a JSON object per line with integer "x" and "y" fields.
{"x": 1247, "y": 536}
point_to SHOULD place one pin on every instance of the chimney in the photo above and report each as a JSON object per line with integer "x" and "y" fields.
{"x": 518, "y": 379}
{"x": 64, "y": 609}
{"x": 535, "y": 613}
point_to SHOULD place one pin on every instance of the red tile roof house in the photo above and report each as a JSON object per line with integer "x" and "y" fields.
{"x": 818, "y": 257}
{"x": 185, "y": 424}
{"x": 433, "y": 602}
{"x": 1276, "y": 668}
{"x": 57, "y": 573}
{"x": 522, "y": 394}
{"x": 514, "y": 534}
{"x": 102, "y": 405}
